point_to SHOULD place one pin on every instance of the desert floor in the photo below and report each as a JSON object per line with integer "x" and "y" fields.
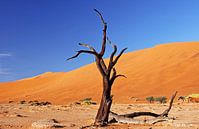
{"x": 17, "y": 116}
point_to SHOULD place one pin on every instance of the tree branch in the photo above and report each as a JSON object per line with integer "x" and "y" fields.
{"x": 120, "y": 75}
{"x": 114, "y": 76}
{"x": 101, "y": 17}
{"x": 99, "y": 65}
{"x": 104, "y": 33}
{"x": 114, "y": 73}
{"x": 112, "y": 54}
{"x": 117, "y": 58}
{"x": 136, "y": 114}
{"x": 88, "y": 46}
{"x": 113, "y": 45}
{"x": 166, "y": 112}
{"x": 128, "y": 118}
{"x": 103, "y": 65}
{"x": 83, "y": 51}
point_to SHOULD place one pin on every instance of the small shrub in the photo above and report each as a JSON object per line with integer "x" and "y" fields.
{"x": 44, "y": 103}
{"x": 94, "y": 103}
{"x": 193, "y": 95}
{"x": 162, "y": 99}
{"x": 22, "y": 102}
{"x": 30, "y": 101}
{"x": 88, "y": 101}
{"x": 150, "y": 99}
{"x": 77, "y": 103}
{"x": 37, "y": 103}
{"x": 183, "y": 98}
{"x": 10, "y": 101}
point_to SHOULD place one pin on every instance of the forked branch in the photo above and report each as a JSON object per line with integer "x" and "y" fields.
{"x": 115, "y": 75}
{"x": 103, "y": 65}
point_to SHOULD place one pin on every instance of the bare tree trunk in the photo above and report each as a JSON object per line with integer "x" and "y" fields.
{"x": 105, "y": 104}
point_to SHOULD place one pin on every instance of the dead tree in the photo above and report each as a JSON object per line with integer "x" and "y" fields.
{"x": 108, "y": 72}
{"x": 129, "y": 118}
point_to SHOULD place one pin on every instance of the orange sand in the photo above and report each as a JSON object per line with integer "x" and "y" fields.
{"x": 157, "y": 71}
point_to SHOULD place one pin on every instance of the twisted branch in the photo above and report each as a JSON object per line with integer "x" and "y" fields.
{"x": 116, "y": 59}
{"x": 88, "y": 46}
{"x": 104, "y": 33}
{"x": 127, "y": 118}
{"x": 83, "y": 51}
{"x": 112, "y": 54}
{"x": 114, "y": 76}
{"x": 101, "y": 17}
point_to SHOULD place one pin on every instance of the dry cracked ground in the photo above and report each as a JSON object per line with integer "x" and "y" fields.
{"x": 25, "y": 116}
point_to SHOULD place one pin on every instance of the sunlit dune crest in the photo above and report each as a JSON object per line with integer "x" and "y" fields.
{"x": 46, "y": 74}
{"x": 156, "y": 71}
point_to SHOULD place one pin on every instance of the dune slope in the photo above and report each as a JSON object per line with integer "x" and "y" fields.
{"x": 157, "y": 71}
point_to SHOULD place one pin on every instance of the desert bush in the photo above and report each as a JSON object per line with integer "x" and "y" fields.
{"x": 77, "y": 103}
{"x": 183, "y": 98}
{"x": 161, "y": 99}
{"x": 88, "y": 101}
{"x": 10, "y": 101}
{"x": 45, "y": 103}
{"x": 37, "y": 103}
{"x": 22, "y": 102}
{"x": 150, "y": 99}
{"x": 30, "y": 101}
{"x": 191, "y": 96}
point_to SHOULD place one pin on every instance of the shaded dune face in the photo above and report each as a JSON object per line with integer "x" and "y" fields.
{"x": 157, "y": 71}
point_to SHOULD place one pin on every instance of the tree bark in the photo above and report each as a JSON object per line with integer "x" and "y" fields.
{"x": 105, "y": 104}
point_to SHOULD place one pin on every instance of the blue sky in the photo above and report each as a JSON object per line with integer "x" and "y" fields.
{"x": 36, "y": 36}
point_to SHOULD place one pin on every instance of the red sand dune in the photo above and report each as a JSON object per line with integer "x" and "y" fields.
{"x": 157, "y": 71}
